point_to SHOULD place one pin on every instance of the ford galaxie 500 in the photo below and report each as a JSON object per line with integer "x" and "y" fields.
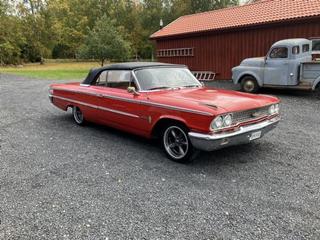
{"x": 166, "y": 101}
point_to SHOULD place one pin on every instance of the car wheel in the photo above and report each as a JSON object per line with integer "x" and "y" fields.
{"x": 176, "y": 143}
{"x": 78, "y": 115}
{"x": 249, "y": 85}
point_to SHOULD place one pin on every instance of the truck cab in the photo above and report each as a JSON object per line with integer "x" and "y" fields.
{"x": 288, "y": 64}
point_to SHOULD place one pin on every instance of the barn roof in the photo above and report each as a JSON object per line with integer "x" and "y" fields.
{"x": 261, "y": 12}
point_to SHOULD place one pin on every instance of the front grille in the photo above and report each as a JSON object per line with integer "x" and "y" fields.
{"x": 249, "y": 115}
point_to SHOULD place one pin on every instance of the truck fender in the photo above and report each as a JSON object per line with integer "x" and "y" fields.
{"x": 315, "y": 83}
{"x": 248, "y": 73}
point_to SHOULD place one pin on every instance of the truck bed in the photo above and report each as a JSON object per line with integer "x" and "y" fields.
{"x": 310, "y": 70}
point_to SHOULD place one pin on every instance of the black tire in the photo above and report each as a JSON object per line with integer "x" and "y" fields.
{"x": 176, "y": 143}
{"x": 78, "y": 116}
{"x": 316, "y": 92}
{"x": 249, "y": 85}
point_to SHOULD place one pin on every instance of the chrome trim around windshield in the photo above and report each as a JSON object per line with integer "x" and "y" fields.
{"x": 95, "y": 106}
{"x": 135, "y": 79}
{"x": 158, "y": 90}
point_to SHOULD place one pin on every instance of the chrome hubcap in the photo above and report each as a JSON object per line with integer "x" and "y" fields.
{"x": 78, "y": 116}
{"x": 249, "y": 86}
{"x": 176, "y": 142}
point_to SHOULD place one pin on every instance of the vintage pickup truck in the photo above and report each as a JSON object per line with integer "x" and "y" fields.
{"x": 288, "y": 64}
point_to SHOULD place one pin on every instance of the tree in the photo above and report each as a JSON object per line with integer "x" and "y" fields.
{"x": 33, "y": 29}
{"x": 182, "y": 7}
{"x": 3, "y": 7}
{"x": 11, "y": 39}
{"x": 104, "y": 42}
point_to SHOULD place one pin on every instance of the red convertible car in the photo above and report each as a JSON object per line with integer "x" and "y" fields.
{"x": 168, "y": 102}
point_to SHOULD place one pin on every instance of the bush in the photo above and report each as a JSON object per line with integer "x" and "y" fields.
{"x": 9, "y": 54}
{"x": 62, "y": 51}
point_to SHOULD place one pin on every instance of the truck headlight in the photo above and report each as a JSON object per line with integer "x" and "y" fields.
{"x": 221, "y": 122}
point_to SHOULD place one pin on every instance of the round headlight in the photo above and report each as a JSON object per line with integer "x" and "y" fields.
{"x": 217, "y": 123}
{"x": 277, "y": 108}
{"x": 227, "y": 120}
{"x": 272, "y": 110}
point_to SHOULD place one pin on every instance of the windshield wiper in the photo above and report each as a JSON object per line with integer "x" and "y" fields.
{"x": 157, "y": 88}
{"x": 190, "y": 86}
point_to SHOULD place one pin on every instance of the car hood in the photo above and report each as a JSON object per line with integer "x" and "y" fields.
{"x": 212, "y": 100}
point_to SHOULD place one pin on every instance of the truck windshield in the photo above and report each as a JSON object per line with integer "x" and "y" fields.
{"x": 165, "y": 78}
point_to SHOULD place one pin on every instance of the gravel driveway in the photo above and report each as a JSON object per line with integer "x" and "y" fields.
{"x": 62, "y": 181}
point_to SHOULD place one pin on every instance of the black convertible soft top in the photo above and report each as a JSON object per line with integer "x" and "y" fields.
{"x": 94, "y": 73}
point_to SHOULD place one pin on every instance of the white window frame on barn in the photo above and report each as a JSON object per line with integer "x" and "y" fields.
{"x": 176, "y": 52}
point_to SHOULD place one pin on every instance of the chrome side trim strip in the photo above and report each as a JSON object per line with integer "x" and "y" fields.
{"x": 95, "y": 106}
{"x": 176, "y": 108}
{"x": 138, "y": 102}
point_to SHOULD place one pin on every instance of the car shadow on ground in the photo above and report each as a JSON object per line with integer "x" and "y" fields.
{"x": 228, "y": 156}
{"x": 227, "y": 84}
{"x": 287, "y": 92}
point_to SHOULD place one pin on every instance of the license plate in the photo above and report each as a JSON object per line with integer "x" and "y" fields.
{"x": 255, "y": 135}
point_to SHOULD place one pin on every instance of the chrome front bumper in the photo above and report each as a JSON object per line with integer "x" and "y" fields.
{"x": 210, "y": 142}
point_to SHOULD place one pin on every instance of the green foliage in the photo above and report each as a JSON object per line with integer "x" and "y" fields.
{"x": 11, "y": 38}
{"x": 104, "y": 41}
{"x": 62, "y": 51}
{"x": 34, "y": 29}
{"x": 9, "y": 53}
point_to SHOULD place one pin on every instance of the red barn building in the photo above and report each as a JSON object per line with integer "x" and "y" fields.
{"x": 218, "y": 40}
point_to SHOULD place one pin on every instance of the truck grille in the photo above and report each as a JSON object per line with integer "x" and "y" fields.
{"x": 249, "y": 115}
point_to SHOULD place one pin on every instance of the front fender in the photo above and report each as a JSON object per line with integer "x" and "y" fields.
{"x": 198, "y": 124}
{"x": 250, "y": 73}
{"x": 172, "y": 117}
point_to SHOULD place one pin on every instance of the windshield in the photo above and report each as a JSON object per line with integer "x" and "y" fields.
{"x": 165, "y": 78}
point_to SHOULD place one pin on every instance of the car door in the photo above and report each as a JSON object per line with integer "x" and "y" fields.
{"x": 118, "y": 107}
{"x": 276, "y": 71}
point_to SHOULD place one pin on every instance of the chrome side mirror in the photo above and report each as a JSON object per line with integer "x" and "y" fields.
{"x": 133, "y": 91}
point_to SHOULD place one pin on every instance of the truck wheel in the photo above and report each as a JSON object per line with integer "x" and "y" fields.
{"x": 176, "y": 143}
{"x": 249, "y": 85}
{"x": 78, "y": 116}
{"x": 317, "y": 92}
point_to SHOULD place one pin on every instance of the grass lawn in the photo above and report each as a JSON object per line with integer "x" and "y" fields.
{"x": 71, "y": 70}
